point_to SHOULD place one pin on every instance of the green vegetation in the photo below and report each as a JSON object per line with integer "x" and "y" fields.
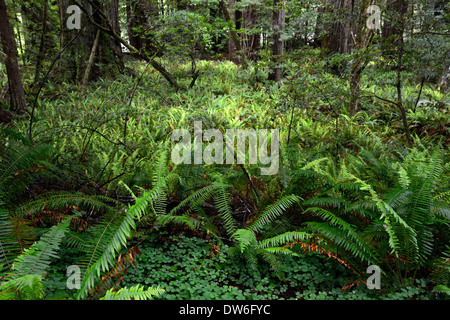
{"x": 87, "y": 177}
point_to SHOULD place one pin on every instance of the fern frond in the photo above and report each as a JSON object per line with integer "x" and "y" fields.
{"x": 62, "y": 200}
{"x": 245, "y": 238}
{"x": 25, "y": 287}
{"x": 282, "y": 250}
{"x": 332, "y": 201}
{"x": 16, "y": 163}
{"x": 110, "y": 236}
{"x": 251, "y": 259}
{"x": 37, "y": 258}
{"x": 443, "y": 196}
{"x": 9, "y": 246}
{"x": 134, "y": 293}
{"x": 442, "y": 289}
{"x": 148, "y": 198}
{"x": 222, "y": 201}
{"x": 110, "y": 280}
{"x": 273, "y": 211}
{"x": 283, "y": 239}
{"x": 24, "y": 233}
{"x": 392, "y": 220}
{"x": 160, "y": 173}
{"x": 345, "y": 237}
{"x": 198, "y": 197}
{"x": 187, "y": 220}
{"x": 316, "y": 165}
{"x": 277, "y": 266}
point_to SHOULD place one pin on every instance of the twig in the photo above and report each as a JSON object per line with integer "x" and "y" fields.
{"x": 384, "y": 99}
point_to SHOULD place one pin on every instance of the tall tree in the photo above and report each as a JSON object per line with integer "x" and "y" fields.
{"x": 105, "y": 25}
{"x": 17, "y": 93}
{"x": 114, "y": 18}
{"x": 41, "y": 52}
{"x": 394, "y": 46}
{"x": 139, "y": 15}
{"x": 360, "y": 58}
{"x": 392, "y": 31}
{"x": 278, "y": 20}
{"x": 336, "y": 17}
{"x": 234, "y": 42}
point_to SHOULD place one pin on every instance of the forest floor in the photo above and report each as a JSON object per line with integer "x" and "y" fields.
{"x": 116, "y": 135}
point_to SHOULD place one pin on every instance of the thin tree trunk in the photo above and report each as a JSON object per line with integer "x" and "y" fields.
{"x": 362, "y": 41}
{"x": 40, "y": 57}
{"x": 90, "y": 63}
{"x": 19, "y": 36}
{"x": 18, "y": 102}
{"x": 399, "y": 86}
{"x": 234, "y": 36}
{"x": 445, "y": 78}
{"x": 392, "y": 29}
{"x": 114, "y": 18}
{"x": 278, "y": 19}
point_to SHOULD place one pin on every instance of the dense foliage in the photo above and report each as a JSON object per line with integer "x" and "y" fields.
{"x": 87, "y": 178}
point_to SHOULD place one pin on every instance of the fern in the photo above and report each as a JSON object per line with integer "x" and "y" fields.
{"x": 61, "y": 200}
{"x": 348, "y": 240}
{"x": 8, "y": 244}
{"x": 442, "y": 289}
{"x": 400, "y": 222}
{"x": 222, "y": 200}
{"x": 25, "y": 287}
{"x": 110, "y": 236}
{"x": 273, "y": 211}
{"x": 251, "y": 248}
{"x": 112, "y": 233}
{"x": 245, "y": 238}
{"x": 273, "y": 260}
{"x": 134, "y": 293}
{"x": 392, "y": 220}
{"x": 110, "y": 280}
{"x": 25, "y": 281}
{"x": 272, "y": 244}
{"x": 15, "y": 167}
{"x": 37, "y": 258}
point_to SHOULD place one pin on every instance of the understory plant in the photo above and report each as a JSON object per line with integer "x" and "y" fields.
{"x": 400, "y": 229}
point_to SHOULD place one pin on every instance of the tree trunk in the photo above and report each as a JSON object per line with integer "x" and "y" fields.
{"x": 41, "y": 52}
{"x": 138, "y": 15}
{"x": 362, "y": 40}
{"x": 339, "y": 38}
{"x": 445, "y": 78}
{"x": 109, "y": 30}
{"x": 114, "y": 18}
{"x": 392, "y": 31}
{"x": 17, "y": 93}
{"x": 231, "y": 27}
{"x": 89, "y": 66}
{"x": 278, "y": 19}
{"x": 399, "y": 93}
